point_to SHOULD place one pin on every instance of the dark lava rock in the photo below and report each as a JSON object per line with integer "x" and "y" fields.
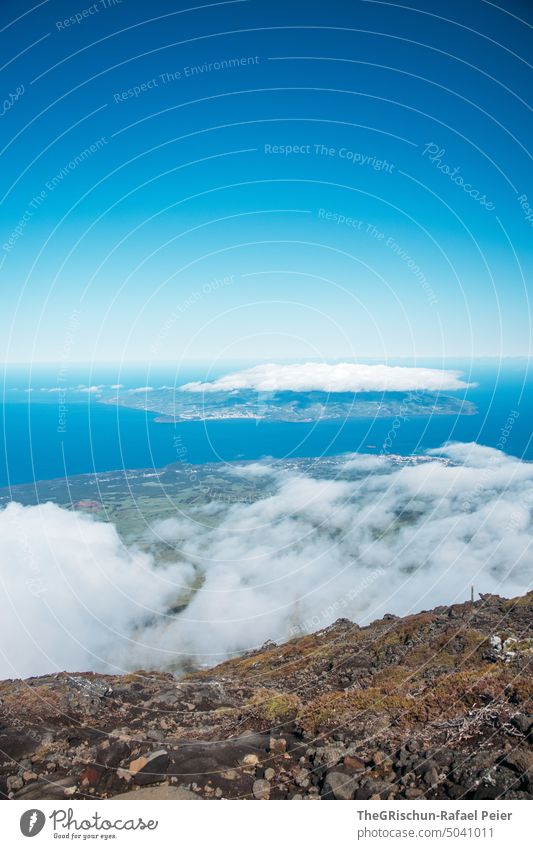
{"x": 524, "y": 723}
{"x": 53, "y": 789}
{"x": 339, "y": 785}
{"x": 154, "y": 770}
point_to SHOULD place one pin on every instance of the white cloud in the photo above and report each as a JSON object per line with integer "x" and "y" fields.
{"x": 383, "y": 538}
{"x": 72, "y": 594}
{"x": 377, "y": 536}
{"x": 341, "y": 377}
{"x": 252, "y": 470}
{"x": 141, "y": 389}
{"x": 82, "y": 387}
{"x": 365, "y": 462}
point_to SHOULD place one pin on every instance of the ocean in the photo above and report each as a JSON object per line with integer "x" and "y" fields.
{"x": 37, "y": 445}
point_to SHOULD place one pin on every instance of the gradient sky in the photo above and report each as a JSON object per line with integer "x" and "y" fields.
{"x": 181, "y": 237}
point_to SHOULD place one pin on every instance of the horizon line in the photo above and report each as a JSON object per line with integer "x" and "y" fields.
{"x": 210, "y": 361}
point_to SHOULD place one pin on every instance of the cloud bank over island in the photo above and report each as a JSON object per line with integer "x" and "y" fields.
{"x": 339, "y": 377}
{"x": 380, "y": 535}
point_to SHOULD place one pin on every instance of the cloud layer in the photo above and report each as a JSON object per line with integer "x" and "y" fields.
{"x": 72, "y": 593}
{"x": 341, "y": 377}
{"x": 376, "y": 536}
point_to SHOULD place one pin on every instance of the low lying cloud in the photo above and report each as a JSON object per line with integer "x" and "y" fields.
{"x": 360, "y": 538}
{"x": 72, "y": 592}
{"x": 341, "y": 377}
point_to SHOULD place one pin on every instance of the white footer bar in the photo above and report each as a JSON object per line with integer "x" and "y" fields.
{"x": 268, "y": 825}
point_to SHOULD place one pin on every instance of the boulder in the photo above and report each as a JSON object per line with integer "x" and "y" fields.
{"x": 162, "y": 791}
{"x": 339, "y": 785}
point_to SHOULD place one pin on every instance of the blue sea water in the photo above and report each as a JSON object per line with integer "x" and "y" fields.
{"x": 98, "y": 437}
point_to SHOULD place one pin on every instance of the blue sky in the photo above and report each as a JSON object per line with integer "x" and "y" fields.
{"x": 264, "y": 180}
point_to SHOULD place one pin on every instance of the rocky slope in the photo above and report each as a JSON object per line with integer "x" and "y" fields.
{"x": 434, "y": 705}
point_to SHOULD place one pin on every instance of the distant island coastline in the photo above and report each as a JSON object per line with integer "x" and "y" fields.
{"x": 172, "y": 406}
